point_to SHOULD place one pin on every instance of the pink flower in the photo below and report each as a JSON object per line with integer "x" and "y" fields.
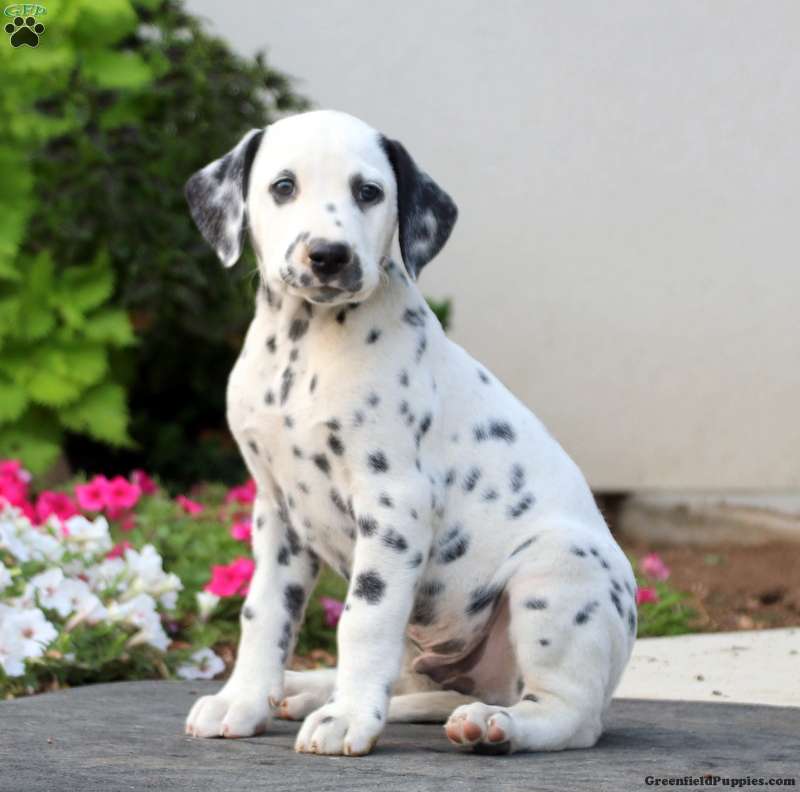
{"x": 55, "y": 503}
{"x": 333, "y": 610}
{"x": 128, "y": 522}
{"x": 242, "y": 530}
{"x": 118, "y": 550}
{"x": 654, "y": 567}
{"x": 121, "y": 494}
{"x": 189, "y": 506}
{"x": 92, "y": 496}
{"x": 644, "y": 595}
{"x": 227, "y": 581}
{"x": 14, "y": 483}
{"x": 246, "y": 493}
{"x": 144, "y": 482}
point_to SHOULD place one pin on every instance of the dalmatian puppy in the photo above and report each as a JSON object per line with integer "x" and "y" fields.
{"x": 484, "y": 586}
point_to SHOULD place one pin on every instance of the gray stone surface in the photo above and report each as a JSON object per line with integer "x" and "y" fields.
{"x": 129, "y": 736}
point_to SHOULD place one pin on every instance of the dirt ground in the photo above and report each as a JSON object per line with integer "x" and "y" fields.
{"x": 734, "y": 587}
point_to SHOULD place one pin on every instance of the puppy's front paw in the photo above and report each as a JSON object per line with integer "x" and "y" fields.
{"x": 228, "y": 715}
{"x": 336, "y": 729}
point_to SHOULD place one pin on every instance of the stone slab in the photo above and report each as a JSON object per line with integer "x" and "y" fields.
{"x": 129, "y": 736}
{"x": 746, "y": 667}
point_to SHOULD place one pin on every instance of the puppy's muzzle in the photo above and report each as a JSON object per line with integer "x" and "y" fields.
{"x": 328, "y": 259}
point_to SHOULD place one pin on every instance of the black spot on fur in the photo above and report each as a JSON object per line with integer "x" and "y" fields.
{"x": 377, "y": 462}
{"x": 517, "y": 478}
{"x": 497, "y": 430}
{"x": 424, "y": 611}
{"x": 370, "y": 586}
{"x": 373, "y": 335}
{"x": 287, "y": 380}
{"x": 248, "y": 613}
{"x": 297, "y": 329}
{"x": 415, "y": 560}
{"x": 414, "y": 317}
{"x": 321, "y": 461}
{"x": 271, "y": 346}
{"x": 283, "y": 556}
{"x": 544, "y": 642}
{"x": 450, "y": 477}
{"x": 283, "y": 643}
{"x": 293, "y": 599}
{"x": 269, "y": 397}
{"x": 484, "y": 377}
{"x": 585, "y": 613}
{"x": 293, "y": 539}
{"x": 367, "y": 525}
{"x": 395, "y": 540}
{"x": 536, "y": 604}
{"x": 617, "y": 603}
{"x": 404, "y": 378}
{"x": 490, "y": 494}
{"x": 483, "y": 597}
{"x": 578, "y": 552}
{"x": 471, "y": 479}
{"x": 452, "y": 546}
{"x": 312, "y": 386}
{"x": 631, "y": 621}
{"x": 373, "y": 400}
{"x": 386, "y": 501}
{"x": 252, "y": 446}
{"x": 338, "y": 501}
{"x": 335, "y": 445}
{"x": 521, "y": 506}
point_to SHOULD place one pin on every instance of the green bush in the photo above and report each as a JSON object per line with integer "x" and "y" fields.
{"x": 100, "y": 132}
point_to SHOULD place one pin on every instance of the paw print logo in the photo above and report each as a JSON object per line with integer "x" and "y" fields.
{"x": 25, "y": 32}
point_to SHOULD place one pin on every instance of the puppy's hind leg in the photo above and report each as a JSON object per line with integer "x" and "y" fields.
{"x": 571, "y": 644}
{"x": 305, "y": 691}
{"x": 432, "y": 706}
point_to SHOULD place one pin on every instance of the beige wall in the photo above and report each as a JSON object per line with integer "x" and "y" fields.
{"x": 628, "y": 173}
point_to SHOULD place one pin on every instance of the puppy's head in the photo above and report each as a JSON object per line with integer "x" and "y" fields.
{"x": 321, "y": 194}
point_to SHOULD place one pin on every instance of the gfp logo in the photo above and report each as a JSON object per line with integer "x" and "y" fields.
{"x": 24, "y": 30}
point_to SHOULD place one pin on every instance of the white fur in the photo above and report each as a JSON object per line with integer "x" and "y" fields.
{"x": 558, "y": 613}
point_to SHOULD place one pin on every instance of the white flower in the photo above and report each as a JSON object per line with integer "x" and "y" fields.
{"x": 141, "y": 612}
{"x": 149, "y": 575}
{"x": 5, "y": 577}
{"x": 43, "y": 546}
{"x": 10, "y": 539}
{"x": 206, "y": 602}
{"x": 87, "y": 535}
{"x": 23, "y": 633}
{"x": 205, "y": 664}
{"x": 111, "y": 573}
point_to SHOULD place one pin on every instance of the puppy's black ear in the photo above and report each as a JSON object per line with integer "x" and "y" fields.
{"x": 425, "y": 212}
{"x": 217, "y": 196}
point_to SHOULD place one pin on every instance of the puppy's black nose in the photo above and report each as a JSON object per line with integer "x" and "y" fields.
{"x": 328, "y": 258}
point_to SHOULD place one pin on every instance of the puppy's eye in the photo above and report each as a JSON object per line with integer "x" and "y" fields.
{"x": 283, "y": 189}
{"x": 369, "y": 193}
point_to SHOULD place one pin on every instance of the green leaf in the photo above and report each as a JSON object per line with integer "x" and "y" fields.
{"x": 85, "y": 287}
{"x": 100, "y": 413}
{"x": 33, "y": 440}
{"x": 120, "y": 70}
{"x": 13, "y": 401}
{"x": 111, "y": 326}
{"x": 53, "y": 390}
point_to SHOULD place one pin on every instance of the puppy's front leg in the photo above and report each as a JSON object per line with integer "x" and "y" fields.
{"x": 387, "y": 563}
{"x": 284, "y": 576}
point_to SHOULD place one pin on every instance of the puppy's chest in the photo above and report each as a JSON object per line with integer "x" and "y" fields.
{"x": 283, "y": 422}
